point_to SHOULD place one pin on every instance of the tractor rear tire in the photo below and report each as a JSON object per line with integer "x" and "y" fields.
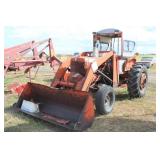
{"x": 104, "y": 100}
{"x": 137, "y": 81}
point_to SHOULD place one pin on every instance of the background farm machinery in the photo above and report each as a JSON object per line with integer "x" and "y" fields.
{"x": 27, "y": 55}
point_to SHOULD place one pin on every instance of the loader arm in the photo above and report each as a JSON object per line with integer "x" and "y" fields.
{"x": 96, "y": 63}
{"x": 80, "y": 72}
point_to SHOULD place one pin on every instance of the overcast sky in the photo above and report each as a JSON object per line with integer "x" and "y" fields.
{"x": 70, "y": 39}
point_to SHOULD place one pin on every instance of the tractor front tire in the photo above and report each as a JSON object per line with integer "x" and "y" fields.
{"x": 137, "y": 81}
{"x": 105, "y": 98}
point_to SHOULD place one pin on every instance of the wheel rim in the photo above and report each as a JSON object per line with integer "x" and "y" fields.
{"x": 143, "y": 81}
{"x": 108, "y": 100}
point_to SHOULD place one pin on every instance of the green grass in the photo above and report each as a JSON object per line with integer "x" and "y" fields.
{"x": 148, "y": 55}
{"x": 128, "y": 115}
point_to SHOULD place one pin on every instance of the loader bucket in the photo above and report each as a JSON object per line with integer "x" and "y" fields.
{"x": 67, "y": 108}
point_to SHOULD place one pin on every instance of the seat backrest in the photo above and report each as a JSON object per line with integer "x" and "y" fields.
{"x": 78, "y": 66}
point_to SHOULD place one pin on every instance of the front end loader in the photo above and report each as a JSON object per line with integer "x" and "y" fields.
{"x": 86, "y": 82}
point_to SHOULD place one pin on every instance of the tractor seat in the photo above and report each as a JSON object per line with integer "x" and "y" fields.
{"x": 78, "y": 66}
{"x": 77, "y": 72}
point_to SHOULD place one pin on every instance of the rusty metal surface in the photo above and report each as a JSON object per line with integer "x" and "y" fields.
{"x": 68, "y": 108}
{"x": 16, "y": 87}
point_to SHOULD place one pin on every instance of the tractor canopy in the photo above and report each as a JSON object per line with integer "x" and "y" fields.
{"x": 111, "y": 32}
{"x": 112, "y": 40}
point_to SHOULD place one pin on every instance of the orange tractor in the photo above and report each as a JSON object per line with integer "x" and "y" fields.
{"x": 85, "y": 83}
